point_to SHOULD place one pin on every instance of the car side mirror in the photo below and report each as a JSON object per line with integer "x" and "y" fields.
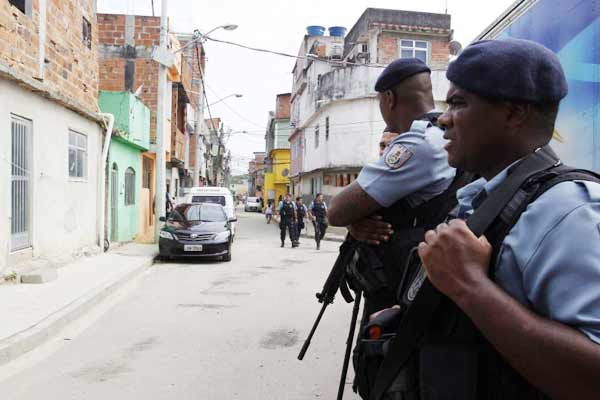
{"x": 162, "y": 219}
{"x": 232, "y": 219}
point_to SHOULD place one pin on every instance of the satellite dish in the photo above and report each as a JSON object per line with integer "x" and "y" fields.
{"x": 455, "y": 47}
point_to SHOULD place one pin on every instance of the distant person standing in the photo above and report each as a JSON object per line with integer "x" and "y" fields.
{"x": 318, "y": 215}
{"x": 301, "y": 212}
{"x": 269, "y": 212}
{"x": 287, "y": 215}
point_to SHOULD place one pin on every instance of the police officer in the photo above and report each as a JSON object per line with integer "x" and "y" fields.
{"x": 287, "y": 215}
{"x": 301, "y": 213}
{"x": 318, "y": 215}
{"x": 402, "y": 190}
{"x": 521, "y": 316}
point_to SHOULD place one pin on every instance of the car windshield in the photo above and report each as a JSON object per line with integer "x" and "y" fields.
{"x": 252, "y": 200}
{"x": 209, "y": 199}
{"x": 199, "y": 212}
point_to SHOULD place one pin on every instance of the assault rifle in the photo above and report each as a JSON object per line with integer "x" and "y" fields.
{"x": 337, "y": 281}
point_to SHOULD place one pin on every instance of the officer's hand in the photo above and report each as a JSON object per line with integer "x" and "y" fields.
{"x": 456, "y": 260}
{"x": 372, "y": 230}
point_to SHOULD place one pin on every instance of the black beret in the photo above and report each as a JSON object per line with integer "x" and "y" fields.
{"x": 398, "y": 71}
{"x": 509, "y": 69}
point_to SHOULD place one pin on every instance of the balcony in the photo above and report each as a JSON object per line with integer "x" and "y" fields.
{"x": 178, "y": 147}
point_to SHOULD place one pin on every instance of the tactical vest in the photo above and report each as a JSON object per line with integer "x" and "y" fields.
{"x": 319, "y": 211}
{"x": 379, "y": 269}
{"x": 300, "y": 211}
{"x": 287, "y": 210}
{"x": 438, "y": 353}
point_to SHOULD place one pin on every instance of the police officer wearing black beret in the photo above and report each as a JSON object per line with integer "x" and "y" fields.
{"x": 520, "y": 312}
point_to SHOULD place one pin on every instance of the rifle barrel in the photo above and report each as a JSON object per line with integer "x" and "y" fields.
{"x": 349, "y": 342}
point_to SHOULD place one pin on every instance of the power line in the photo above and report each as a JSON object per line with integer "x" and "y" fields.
{"x": 279, "y": 53}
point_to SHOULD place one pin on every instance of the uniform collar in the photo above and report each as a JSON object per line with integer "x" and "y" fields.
{"x": 472, "y": 195}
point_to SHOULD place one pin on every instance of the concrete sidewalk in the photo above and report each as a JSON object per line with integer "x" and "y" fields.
{"x": 333, "y": 234}
{"x": 32, "y": 313}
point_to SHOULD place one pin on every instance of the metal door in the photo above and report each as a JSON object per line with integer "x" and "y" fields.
{"x": 114, "y": 197}
{"x": 20, "y": 223}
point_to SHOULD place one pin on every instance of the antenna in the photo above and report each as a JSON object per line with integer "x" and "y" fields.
{"x": 446, "y": 10}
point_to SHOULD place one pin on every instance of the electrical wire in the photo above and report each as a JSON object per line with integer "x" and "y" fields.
{"x": 279, "y": 53}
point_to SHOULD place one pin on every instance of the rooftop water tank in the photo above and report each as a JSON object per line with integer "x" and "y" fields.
{"x": 337, "y": 31}
{"x": 315, "y": 30}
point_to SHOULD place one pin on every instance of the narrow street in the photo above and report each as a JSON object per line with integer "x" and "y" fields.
{"x": 205, "y": 330}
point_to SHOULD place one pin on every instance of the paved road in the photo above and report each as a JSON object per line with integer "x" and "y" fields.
{"x": 210, "y": 330}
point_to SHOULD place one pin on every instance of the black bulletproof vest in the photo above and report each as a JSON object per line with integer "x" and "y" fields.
{"x": 319, "y": 211}
{"x": 453, "y": 358}
{"x": 300, "y": 211}
{"x": 287, "y": 211}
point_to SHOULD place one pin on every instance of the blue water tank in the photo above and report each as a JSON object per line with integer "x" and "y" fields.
{"x": 315, "y": 30}
{"x": 337, "y": 31}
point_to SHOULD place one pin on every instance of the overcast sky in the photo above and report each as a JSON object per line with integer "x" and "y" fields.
{"x": 278, "y": 25}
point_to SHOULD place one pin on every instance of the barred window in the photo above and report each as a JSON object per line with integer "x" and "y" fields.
{"x": 77, "y": 155}
{"x": 129, "y": 187}
{"x": 317, "y": 137}
{"x": 327, "y": 129}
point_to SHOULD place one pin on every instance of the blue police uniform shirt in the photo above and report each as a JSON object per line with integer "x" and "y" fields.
{"x": 414, "y": 166}
{"x": 550, "y": 260}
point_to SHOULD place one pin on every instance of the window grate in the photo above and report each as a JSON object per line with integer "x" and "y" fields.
{"x": 129, "y": 187}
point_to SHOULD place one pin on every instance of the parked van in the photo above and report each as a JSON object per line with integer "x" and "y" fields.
{"x": 212, "y": 194}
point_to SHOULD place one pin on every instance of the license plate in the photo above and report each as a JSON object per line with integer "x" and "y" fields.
{"x": 192, "y": 247}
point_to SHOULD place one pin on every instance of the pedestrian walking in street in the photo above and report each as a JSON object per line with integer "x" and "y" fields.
{"x": 287, "y": 222}
{"x": 269, "y": 212}
{"x": 317, "y": 212}
{"x": 301, "y": 212}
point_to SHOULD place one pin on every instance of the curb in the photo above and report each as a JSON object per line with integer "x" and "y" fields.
{"x": 22, "y": 342}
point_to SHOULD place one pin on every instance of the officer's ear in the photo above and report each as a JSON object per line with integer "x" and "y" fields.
{"x": 518, "y": 114}
{"x": 389, "y": 99}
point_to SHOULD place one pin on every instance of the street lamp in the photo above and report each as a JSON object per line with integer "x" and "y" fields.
{"x": 201, "y": 37}
{"x": 226, "y": 97}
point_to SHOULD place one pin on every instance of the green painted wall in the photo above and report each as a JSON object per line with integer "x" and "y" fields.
{"x": 128, "y": 217}
{"x": 132, "y": 117}
{"x": 130, "y": 139}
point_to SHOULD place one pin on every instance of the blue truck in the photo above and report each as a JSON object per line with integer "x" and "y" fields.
{"x": 571, "y": 28}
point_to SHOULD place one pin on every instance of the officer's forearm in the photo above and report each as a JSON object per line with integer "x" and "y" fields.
{"x": 351, "y": 205}
{"x": 557, "y": 359}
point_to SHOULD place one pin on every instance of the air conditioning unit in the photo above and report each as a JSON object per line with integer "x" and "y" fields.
{"x": 336, "y": 51}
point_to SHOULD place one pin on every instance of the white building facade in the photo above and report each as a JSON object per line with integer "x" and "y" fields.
{"x": 335, "y": 111}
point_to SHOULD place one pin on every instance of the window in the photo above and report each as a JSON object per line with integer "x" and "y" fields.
{"x": 77, "y": 155}
{"x": 147, "y": 174}
{"x": 414, "y": 49}
{"x": 209, "y": 199}
{"x": 87, "y": 33}
{"x": 327, "y": 129}
{"x": 129, "y": 187}
{"x": 317, "y": 137}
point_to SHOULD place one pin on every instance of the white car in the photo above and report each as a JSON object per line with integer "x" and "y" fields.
{"x": 252, "y": 204}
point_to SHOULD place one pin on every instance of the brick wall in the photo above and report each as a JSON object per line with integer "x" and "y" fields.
{"x": 71, "y": 68}
{"x": 282, "y": 106}
{"x": 389, "y": 45}
{"x": 111, "y": 36}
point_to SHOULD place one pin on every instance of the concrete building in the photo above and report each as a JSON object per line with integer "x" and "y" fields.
{"x": 128, "y": 211}
{"x": 334, "y": 108}
{"x": 256, "y": 174}
{"x": 277, "y": 162}
{"x": 52, "y": 135}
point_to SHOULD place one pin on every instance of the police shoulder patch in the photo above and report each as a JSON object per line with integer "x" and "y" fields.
{"x": 397, "y": 155}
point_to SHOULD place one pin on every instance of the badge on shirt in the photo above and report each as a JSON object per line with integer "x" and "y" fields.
{"x": 397, "y": 156}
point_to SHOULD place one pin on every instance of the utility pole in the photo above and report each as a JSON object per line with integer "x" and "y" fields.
{"x": 199, "y": 120}
{"x": 161, "y": 186}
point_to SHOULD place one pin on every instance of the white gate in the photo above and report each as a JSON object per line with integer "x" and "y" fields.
{"x": 20, "y": 225}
